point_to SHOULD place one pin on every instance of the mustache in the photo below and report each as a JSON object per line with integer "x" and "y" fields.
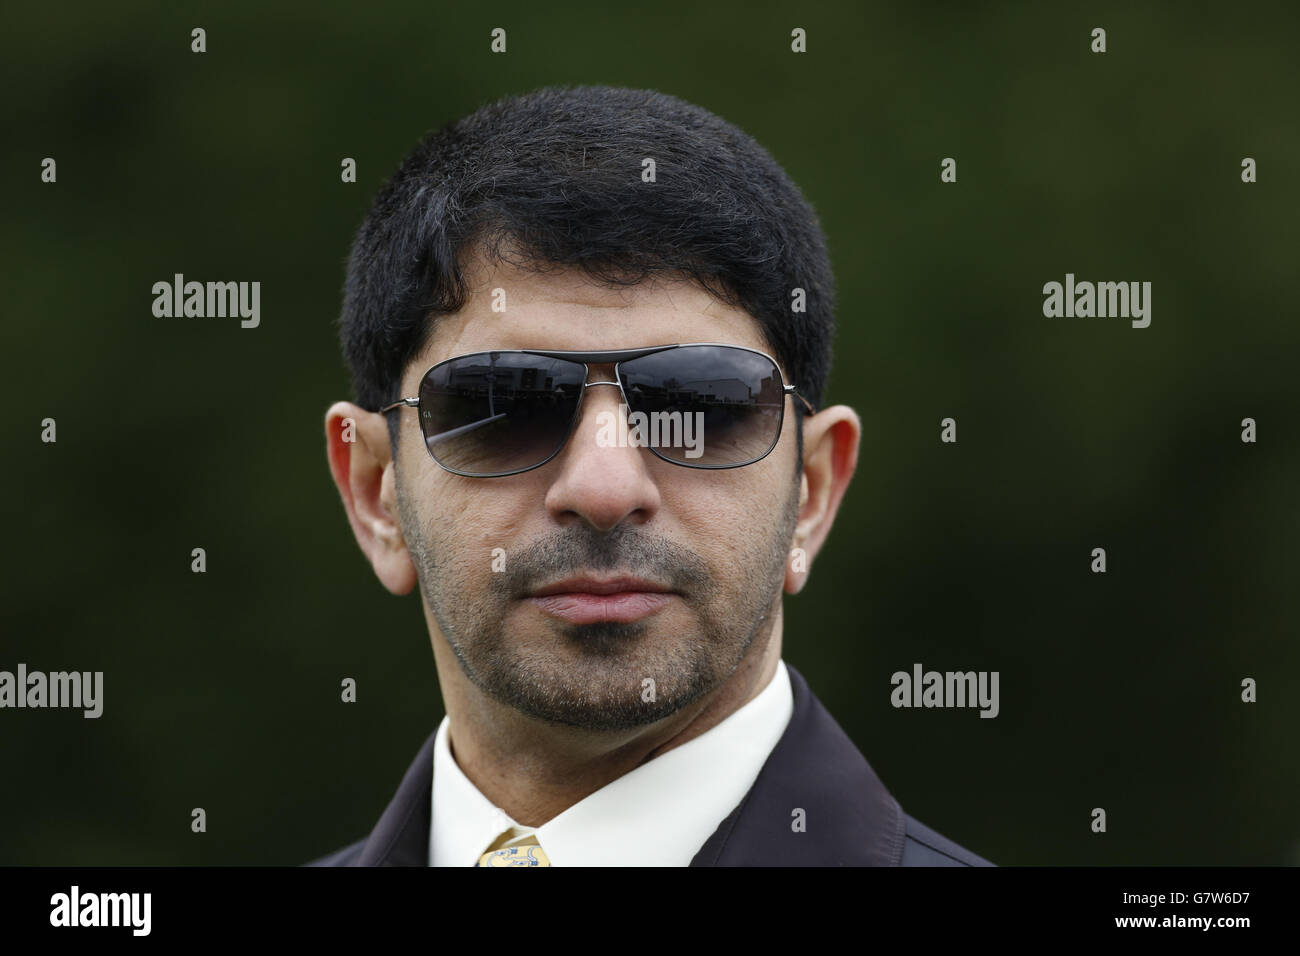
{"x": 582, "y": 549}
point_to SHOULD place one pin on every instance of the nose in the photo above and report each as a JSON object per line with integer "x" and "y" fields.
{"x": 599, "y": 481}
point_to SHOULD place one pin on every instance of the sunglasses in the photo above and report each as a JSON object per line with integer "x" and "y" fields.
{"x": 492, "y": 414}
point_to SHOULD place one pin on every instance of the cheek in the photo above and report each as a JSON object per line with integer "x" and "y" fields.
{"x": 729, "y": 517}
{"x": 470, "y": 519}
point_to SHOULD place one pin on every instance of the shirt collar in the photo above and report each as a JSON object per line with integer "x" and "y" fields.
{"x": 658, "y": 814}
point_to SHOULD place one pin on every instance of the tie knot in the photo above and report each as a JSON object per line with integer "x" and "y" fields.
{"x": 525, "y": 851}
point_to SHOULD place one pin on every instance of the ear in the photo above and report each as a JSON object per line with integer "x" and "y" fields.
{"x": 830, "y": 443}
{"x": 361, "y": 462}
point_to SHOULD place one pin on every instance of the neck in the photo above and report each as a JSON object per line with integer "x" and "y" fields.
{"x": 534, "y": 770}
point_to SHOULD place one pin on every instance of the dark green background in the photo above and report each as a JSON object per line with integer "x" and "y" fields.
{"x": 1118, "y": 691}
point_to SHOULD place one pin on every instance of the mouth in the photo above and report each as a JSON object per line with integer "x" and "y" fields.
{"x": 586, "y": 600}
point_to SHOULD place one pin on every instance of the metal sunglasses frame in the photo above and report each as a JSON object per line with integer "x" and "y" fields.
{"x": 586, "y": 359}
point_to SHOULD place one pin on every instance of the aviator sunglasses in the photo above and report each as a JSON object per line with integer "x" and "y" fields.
{"x": 492, "y": 414}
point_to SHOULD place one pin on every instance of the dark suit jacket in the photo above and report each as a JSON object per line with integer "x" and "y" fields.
{"x": 850, "y": 818}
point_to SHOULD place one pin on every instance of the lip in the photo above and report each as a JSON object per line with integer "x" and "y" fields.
{"x": 586, "y": 600}
{"x": 588, "y": 585}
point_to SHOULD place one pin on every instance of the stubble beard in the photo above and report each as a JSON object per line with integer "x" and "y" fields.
{"x": 597, "y": 676}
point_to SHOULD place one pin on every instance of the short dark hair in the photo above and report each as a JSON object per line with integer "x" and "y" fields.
{"x": 554, "y": 178}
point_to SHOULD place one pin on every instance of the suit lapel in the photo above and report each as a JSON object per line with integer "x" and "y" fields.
{"x": 401, "y": 837}
{"x": 850, "y": 818}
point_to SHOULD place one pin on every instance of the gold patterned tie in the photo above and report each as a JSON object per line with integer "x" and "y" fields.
{"x": 524, "y": 851}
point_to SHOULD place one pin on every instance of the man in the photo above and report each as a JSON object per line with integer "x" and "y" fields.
{"x": 589, "y": 330}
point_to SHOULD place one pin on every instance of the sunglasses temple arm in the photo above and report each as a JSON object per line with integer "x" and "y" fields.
{"x": 411, "y": 402}
{"x": 806, "y": 403}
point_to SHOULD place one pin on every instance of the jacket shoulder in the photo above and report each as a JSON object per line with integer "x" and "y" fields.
{"x": 343, "y": 857}
{"x": 924, "y": 847}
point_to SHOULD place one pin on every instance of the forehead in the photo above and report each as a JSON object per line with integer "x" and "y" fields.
{"x": 510, "y": 308}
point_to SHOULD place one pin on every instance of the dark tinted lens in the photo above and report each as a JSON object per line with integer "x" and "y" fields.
{"x": 497, "y": 412}
{"x": 706, "y": 405}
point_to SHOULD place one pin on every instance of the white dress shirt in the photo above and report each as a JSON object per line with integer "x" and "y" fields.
{"x": 658, "y": 814}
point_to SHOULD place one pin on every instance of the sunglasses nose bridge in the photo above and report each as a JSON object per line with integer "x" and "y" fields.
{"x": 609, "y": 368}
{"x": 592, "y": 420}
{"x": 581, "y": 410}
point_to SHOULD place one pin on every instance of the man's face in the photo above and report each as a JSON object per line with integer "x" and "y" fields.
{"x": 718, "y": 539}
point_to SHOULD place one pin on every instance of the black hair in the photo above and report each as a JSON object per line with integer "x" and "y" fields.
{"x": 554, "y": 177}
